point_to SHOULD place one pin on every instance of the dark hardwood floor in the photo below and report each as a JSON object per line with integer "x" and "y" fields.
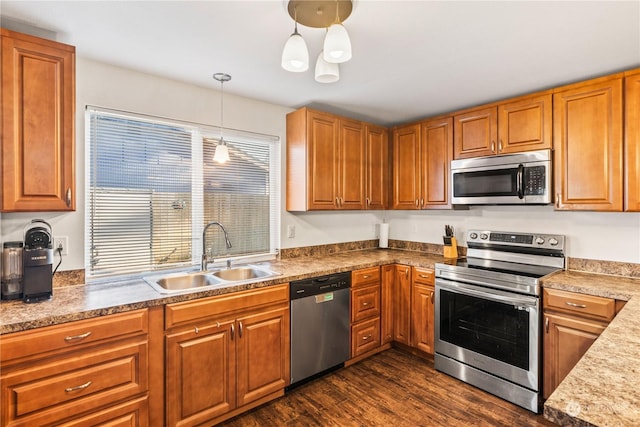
{"x": 392, "y": 388}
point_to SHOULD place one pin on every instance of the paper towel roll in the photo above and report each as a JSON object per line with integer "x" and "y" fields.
{"x": 384, "y": 236}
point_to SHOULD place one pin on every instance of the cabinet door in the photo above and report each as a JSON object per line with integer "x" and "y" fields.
{"x": 351, "y": 159}
{"x": 263, "y": 354}
{"x": 201, "y": 373}
{"x": 402, "y": 305}
{"x": 566, "y": 340}
{"x": 322, "y": 158}
{"x": 422, "y": 317}
{"x": 38, "y": 108}
{"x": 525, "y": 125}
{"x": 588, "y": 146}
{"x": 632, "y": 142}
{"x": 365, "y": 336}
{"x": 377, "y": 167}
{"x": 387, "y": 309}
{"x": 406, "y": 167}
{"x": 475, "y": 133}
{"x": 436, "y": 151}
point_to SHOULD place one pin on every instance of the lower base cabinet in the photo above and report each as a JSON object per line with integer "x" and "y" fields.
{"x": 225, "y": 353}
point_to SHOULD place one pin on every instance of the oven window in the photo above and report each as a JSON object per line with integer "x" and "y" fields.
{"x": 497, "y": 330}
{"x": 500, "y": 182}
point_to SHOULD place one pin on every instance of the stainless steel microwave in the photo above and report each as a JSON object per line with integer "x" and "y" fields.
{"x": 510, "y": 179}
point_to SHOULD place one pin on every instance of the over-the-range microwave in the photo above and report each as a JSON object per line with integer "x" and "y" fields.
{"x": 509, "y": 179}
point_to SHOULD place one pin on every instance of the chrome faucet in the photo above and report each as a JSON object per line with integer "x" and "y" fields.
{"x": 205, "y": 260}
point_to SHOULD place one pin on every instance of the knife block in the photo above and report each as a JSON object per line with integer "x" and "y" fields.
{"x": 451, "y": 251}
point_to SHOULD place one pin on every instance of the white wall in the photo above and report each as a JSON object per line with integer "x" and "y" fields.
{"x": 605, "y": 236}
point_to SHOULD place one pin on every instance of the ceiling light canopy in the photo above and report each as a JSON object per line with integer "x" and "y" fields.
{"x": 221, "y": 154}
{"x": 328, "y": 14}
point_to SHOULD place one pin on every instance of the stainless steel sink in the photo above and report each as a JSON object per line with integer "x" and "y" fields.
{"x": 180, "y": 282}
{"x": 242, "y": 273}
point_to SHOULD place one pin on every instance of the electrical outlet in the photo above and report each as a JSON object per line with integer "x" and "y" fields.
{"x": 291, "y": 231}
{"x": 61, "y": 241}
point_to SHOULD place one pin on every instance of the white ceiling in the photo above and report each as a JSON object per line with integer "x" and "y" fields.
{"x": 411, "y": 59}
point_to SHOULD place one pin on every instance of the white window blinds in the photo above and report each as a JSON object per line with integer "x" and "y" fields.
{"x": 153, "y": 185}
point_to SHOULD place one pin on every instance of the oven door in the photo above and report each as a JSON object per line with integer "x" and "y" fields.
{"x": 492, "y": 330}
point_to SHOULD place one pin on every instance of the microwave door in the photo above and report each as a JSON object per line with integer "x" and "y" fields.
{"x": 488, "y": 186}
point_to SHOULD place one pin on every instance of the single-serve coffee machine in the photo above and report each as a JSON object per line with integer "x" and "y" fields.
{"x": 37, "y": 259}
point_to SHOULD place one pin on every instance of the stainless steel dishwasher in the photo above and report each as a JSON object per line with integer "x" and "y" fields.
{"x": 320, "y": 324}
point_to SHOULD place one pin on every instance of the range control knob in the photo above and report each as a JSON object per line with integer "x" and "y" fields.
{"x": 484, "y": 236}
{"x": 473, "y": 235}
{"x": 540, "y": 241}
{"x": 553, "y": 241}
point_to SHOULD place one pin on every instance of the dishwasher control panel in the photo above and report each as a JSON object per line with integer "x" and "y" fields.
{"x": 319, "y": 285}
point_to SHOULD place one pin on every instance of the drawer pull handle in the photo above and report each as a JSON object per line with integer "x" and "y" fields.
{"x": 366, "y": 276}
{"x": 78, "y": 387}
{"x": 196, "y": 330}
{"x": 77, "y": 337}
{"x": 217, "y": 324}
{"x": 573, "y": 304}
{"x": 366, "y": 337}
{"x": 546, "y": 325}
{"x": 364, "y": 304}
{"x": 425, "y": 276}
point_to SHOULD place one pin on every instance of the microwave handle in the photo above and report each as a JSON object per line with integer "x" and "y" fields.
{"x": 520, "y": 181}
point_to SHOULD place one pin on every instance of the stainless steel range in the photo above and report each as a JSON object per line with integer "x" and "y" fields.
{"x": 488, "y": 312}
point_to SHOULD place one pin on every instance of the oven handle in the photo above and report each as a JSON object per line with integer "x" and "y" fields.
{"x": 494, "y": 295}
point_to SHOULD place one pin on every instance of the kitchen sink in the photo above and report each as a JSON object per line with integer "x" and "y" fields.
{"x": 179, "y": 282}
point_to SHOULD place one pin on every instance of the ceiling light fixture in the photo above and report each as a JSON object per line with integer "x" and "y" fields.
{"x": 221, "y": 154}
{"x": 328, "y": 14}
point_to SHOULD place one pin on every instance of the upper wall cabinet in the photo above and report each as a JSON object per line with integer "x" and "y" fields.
{"x": 421, "y": 164}
{"x": 325, "y": 162}
{"x": 587, "y": 121}
{"x": 521, "y": 124}
{"x": 632, "y": 141}
{"x": 376, "y": 167}
{"x": 38, "y": 113}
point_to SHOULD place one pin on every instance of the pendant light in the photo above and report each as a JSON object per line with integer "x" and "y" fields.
{"x": 337, "y": 45}
{"x": 222, "y": 151}
{"x": 326, "y": 72}
{"x": 295, "y": 56}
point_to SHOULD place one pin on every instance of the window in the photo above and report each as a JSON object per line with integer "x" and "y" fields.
{"x": 152, "y": 185}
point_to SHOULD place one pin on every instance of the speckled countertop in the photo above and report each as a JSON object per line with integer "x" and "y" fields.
{"x": 85, "y": 301}
{"x": 602, "y": 389}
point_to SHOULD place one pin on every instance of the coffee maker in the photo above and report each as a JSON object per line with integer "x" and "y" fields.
{"x": 37, "y": 256}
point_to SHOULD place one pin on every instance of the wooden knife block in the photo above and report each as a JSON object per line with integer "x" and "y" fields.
{"x": 451, "y": 251}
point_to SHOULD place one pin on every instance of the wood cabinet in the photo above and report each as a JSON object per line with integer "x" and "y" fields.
{"x": 422, "y": 156}
{"x": 632, "y": 142}
{"x": 587, "y": 120}
{"x": 519, "y": 124}
{"x": 89, "y": 371}
{"x": 572, "y": 323}
{"x": 376, "y": 167}
{"x": 365, "y": 310}
{"x": 325, "y": 162}
{"x": 388, "y": 273}
{"x": 422, "y": 309}
{"x": 226, "y": 354}
{"x": 402, "y": 305}
{"x": 38, "y": 116}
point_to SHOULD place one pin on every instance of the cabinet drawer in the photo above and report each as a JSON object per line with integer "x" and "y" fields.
{"x": 365, "y": 276}
{"x": 584, "y": 305}
{"x": 68, "y": 386}
{"x": 74, "y": 335}
{"x": 190, "y": 311}
{"x": 422, "y": 275}
{"x": 365, "y": 303}
{"x": 365, "y": 336}
{"x": 134, "y": 413}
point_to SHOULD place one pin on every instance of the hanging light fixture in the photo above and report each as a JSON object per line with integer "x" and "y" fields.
{"x": 221, "y": 154}
{"x": 328, "y": 14}
{"x": 295, "y": 56}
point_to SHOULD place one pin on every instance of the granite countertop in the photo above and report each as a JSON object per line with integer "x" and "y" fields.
{"x": 85, "y": 301}
{"x": 602, "y": 389}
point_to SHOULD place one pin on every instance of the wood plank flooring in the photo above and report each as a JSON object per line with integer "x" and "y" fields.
{"x": 392, "y": 388}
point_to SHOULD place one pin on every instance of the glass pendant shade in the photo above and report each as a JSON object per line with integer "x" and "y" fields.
{"x": 326, "y": 72}
{"x": 337, "y": 45}
{"x": 295, "y": 56}
{"x": 221, "y": 154}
